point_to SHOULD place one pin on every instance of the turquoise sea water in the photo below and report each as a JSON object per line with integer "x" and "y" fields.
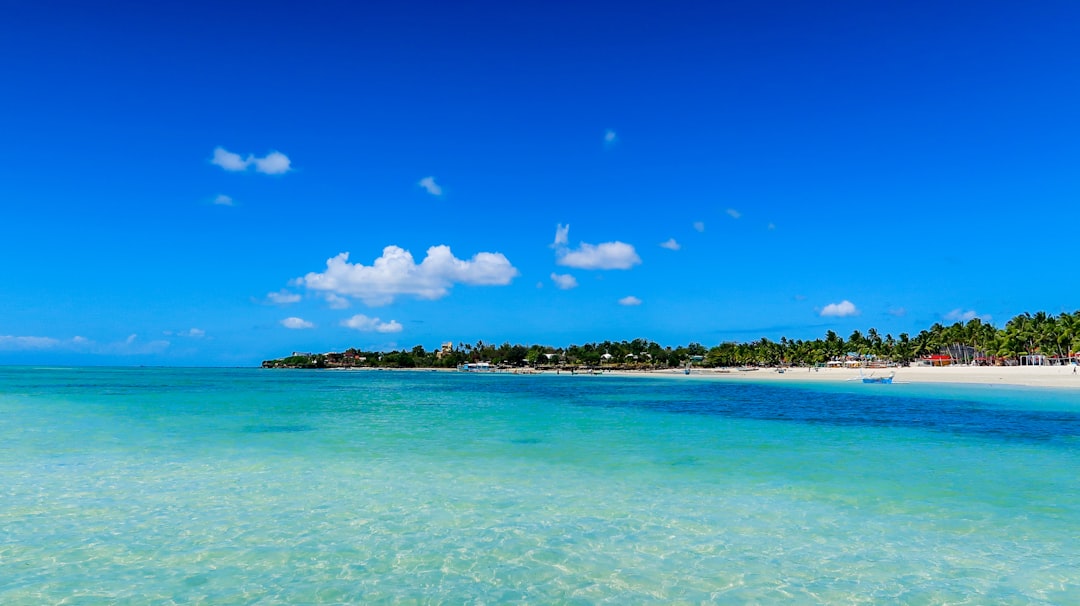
{"x": 243, "y": 486}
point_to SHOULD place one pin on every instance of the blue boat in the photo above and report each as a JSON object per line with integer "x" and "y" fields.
{"x": 885, "y": 380}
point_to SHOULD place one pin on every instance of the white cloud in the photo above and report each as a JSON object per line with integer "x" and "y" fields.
{"x": 734, "y": 214}
{"x": 842, "y": 309}
{"x": 223, "y": 200}
{"x": 336, "y": 302}
{"x": 671, "y": 244}
{"x": 296, "y": 323}
{"x": 899, "y": 312}
{"x": 699, "y": 226}
{"x": 396, "y": 273}
{"x": 194, "y": 333}
{"x": 228, "y": 160}
{"x": 283, "y": 297}
{"x": 959, "y": 315}
{"x": 273, "y": 163}
{"x": 610, "y": 138}
{"x": 13, "y": 343}
{"x": 607, "y": 255}
{"x": 365, "y": 324}
{"x": 562, "y": 235}
{"x": 629, "y": 301}
{"x": 564, "y": 281}
{"x": 129, "y": 346}
{"x": 429, "y": 184}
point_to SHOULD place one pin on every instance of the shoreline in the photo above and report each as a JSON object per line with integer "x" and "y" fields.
{"x": 1061, "y": 377}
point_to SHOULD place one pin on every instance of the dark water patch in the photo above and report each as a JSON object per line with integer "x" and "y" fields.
{"x": 526, "y": 441}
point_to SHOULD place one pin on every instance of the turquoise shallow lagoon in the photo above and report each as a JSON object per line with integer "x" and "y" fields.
{"x": 240, "y": 486}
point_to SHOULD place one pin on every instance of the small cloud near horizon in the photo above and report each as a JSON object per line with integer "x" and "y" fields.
{"x": 295, "y": 323}
{"x": 959, "y": 315}
{"x": 223, "y": 200}
{"x": 843, "y": 309}
{"x": 898, "y": 312}
{"x": 670, "y": 244}
{"x": 734, "y": 214}
{"x": 363, "y": 323}
{"x": 430, "y": 186}
{"x": 630, "y": 301}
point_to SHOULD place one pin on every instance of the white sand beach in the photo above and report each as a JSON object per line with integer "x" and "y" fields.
{"x": 1032, "y": 376}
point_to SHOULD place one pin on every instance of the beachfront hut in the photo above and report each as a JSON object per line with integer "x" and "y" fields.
{"x": 1033, "y": 360}
{"x": 939, "y": 360}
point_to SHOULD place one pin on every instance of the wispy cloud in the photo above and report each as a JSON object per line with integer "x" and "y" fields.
{"x": 192, "y": 333}
{"x": 273, "y": 163}
{"x": 771, "y": 226}
{"x": 630, "y": 301}
{"x": 336, "y": 302}
{"x": 223, "y": 200}
{"x": 395, "y": 273}
{"x": 430, "y": 186}
{"x": 898, "y": 312}
{"x": 699, "y": 226}
{"x": 562, "y": 235}
{"x": 363, "y": 323}
{"x": 130, "y": 346}
{"x": 734, "y": 214}
{"x": 606, "y": 255}
{"x": 610, "y": 138}
{"x": 283, "y": 297}
{"x": 564, "y": 281}
{"x": 959, "y": 315}
{"x": 671, "y": 244}
{"x": 296, "y": 323}
{"x": 842, "y": 309}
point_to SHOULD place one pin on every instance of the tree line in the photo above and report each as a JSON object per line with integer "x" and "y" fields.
{"x": 973, "y": 341}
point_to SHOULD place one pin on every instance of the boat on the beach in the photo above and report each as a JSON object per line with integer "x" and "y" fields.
{"x": 872, "y": 379}
{"x": 475, "y": 367}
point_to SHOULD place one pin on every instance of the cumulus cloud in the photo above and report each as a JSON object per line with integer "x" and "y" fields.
{"x": 607, "y": 255}
{"x": 228, "y": 160}
{"x": 365, "y": 324}
{"x": 296, "y": 323}
{"x": 223, "y": 200}
{"x": 699, "y": 226}
{"x": 734, "y": 214}
{"x": 671, "y": 244}
{"x": 564, "y": 281}
{"x": 959, "y": 315}
{"x": 630, "y": 301}
{"x": 283, "y": 297}
{"x": 273, "y": 163}
{"x": 842, "y": 309}
{"x": 429, "y": 184}
{"x": 13, "y": 343}
{"x": 395, "y": 273}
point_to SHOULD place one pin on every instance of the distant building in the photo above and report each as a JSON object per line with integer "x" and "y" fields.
{"x": 444, "y": 349}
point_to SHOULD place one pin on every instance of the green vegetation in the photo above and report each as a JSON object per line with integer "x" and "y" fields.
{"x": 1055, "y": 337}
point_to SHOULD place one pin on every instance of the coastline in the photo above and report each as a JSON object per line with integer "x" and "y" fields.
{"x": 1061, "y": 377}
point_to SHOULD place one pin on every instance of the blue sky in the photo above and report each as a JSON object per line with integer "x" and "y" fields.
{"x": 179, "y": 181}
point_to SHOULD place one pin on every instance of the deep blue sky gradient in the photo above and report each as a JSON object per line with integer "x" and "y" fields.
{"x": 914, "y": 156}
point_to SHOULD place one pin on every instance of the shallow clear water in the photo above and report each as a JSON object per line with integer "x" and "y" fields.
{"x": 236, "y": 486}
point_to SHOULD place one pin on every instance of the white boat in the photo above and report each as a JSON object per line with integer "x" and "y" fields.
{"x": 475, "y": 367}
